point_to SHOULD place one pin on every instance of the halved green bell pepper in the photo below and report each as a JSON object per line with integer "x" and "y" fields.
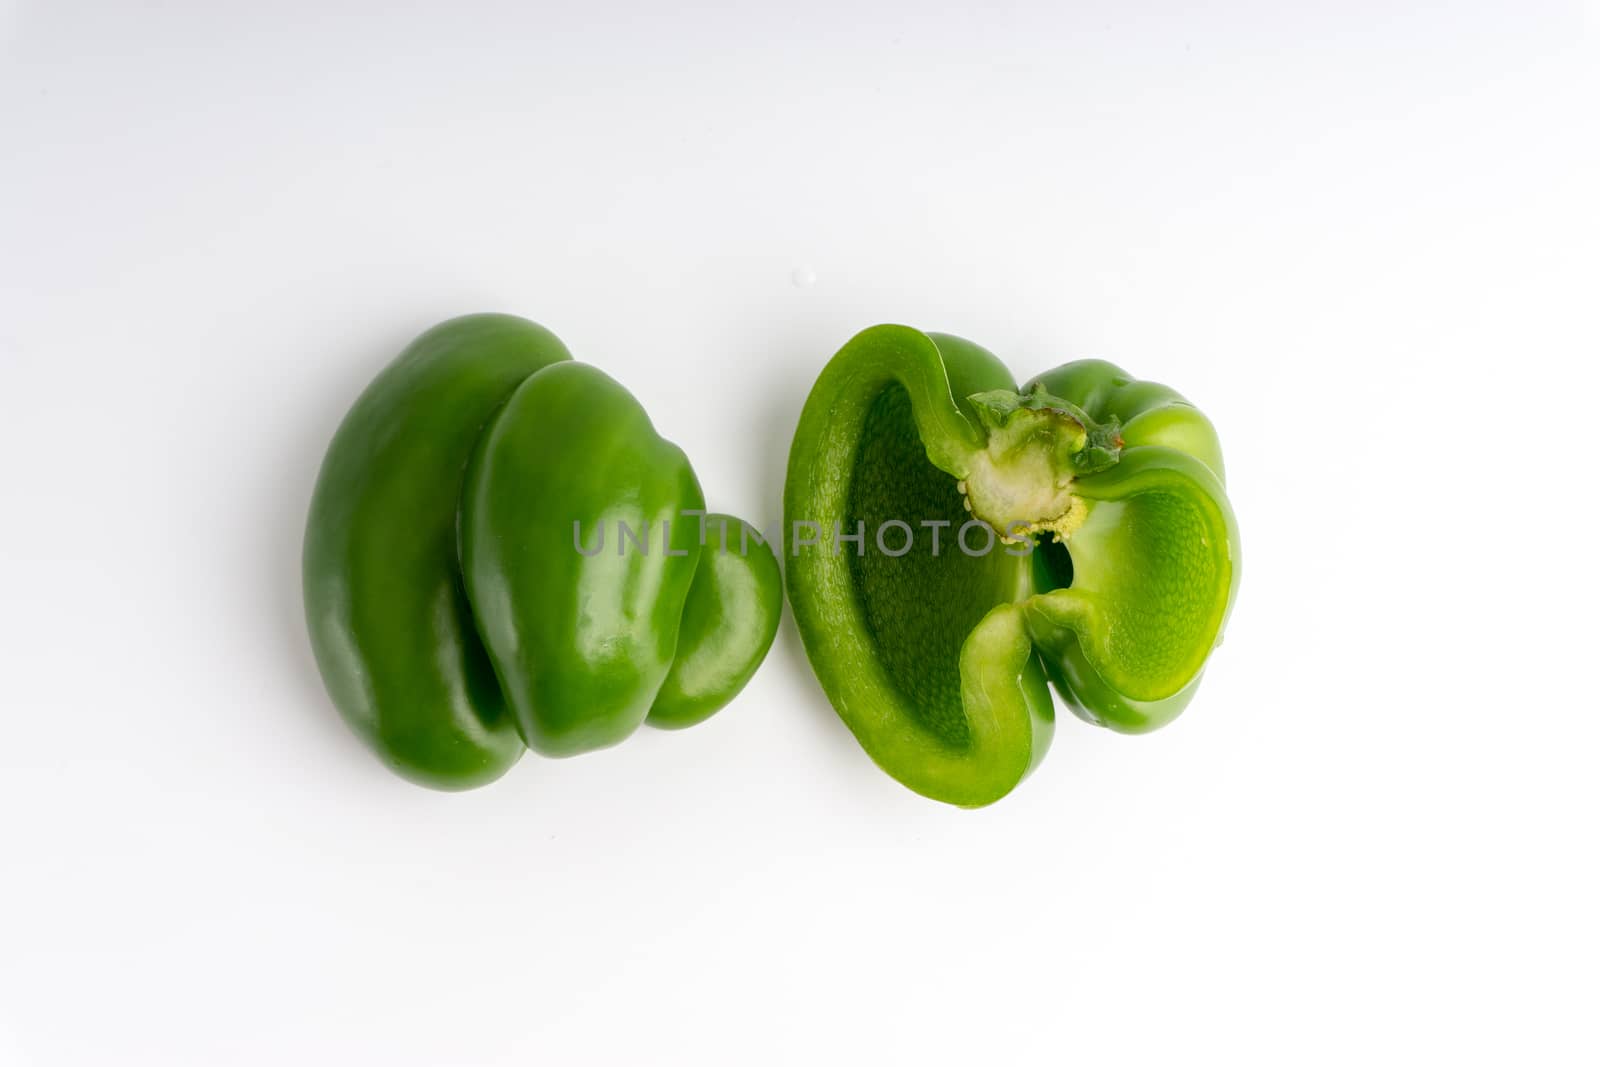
{"x": 485, "y": 442}
{"x": 956, "y": 540}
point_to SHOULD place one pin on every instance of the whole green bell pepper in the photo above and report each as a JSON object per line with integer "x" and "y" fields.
{"x": 484, "y": 440}
{"x": 956, "y": 541}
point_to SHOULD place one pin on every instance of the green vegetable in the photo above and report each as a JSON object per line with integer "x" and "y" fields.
{"x": 1113, "y": 563}
{"x": 729, "y": 622}
{"x": 588, "y": 645}
{"x": 389, "y": 618}
{"x": 458, "y": 604}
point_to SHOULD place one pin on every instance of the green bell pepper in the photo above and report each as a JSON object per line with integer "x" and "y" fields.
{"x": 584, "y": 630}
{"x": 956, "y": 541}
{"x": 456, "y": 612}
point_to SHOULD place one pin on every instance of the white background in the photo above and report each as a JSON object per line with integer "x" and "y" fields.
{"x": 1362, "y": 236}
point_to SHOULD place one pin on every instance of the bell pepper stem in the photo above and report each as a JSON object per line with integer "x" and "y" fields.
{"x": 1021, "y": 481}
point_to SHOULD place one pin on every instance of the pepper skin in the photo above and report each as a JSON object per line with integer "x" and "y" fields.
{"x": 729, "y": 622}
{"x": 456, "y": 614}
{"x": 1112, "y": 575}
{"x": 389, "y": 619}
{"x": 584, "y": 643}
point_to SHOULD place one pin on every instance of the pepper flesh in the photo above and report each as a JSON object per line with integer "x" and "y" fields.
{"x": 936, "y": 661}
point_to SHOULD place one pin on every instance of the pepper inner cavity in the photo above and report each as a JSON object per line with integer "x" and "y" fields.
{"x": 1052, "y": 565}
{"x": 919, "y": 606}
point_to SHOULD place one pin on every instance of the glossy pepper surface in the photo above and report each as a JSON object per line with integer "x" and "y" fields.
{"x": 956, "y": 541}
{"x": 594, "y": 569}
{"x": 460, "y": 602}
